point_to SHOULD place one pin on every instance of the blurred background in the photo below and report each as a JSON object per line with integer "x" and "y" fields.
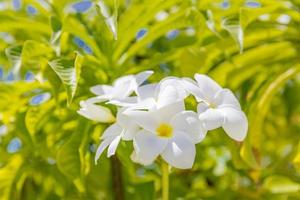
{"x": 52, "y": 52}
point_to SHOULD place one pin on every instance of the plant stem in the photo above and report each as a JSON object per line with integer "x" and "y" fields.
{"x": 117, "y": 182}
{"x": 165, "y": 180}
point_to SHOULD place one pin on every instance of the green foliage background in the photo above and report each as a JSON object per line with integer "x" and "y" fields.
{"x": 249, "y": 50}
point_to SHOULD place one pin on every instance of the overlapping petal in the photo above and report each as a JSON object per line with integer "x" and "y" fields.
{"x": 180, "y": 152}
{"x": 208, "y": 86}
{"x": 147, "y": 147}
{"x": 189, "y": 123}
{"x": 212, "y": 118}
{"x": 235, "y": 123}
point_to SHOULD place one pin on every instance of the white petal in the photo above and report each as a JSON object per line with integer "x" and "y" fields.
{"x": 124, "y": 88}
{"x": 192, "y": 88}
{"x": 212, "y": 119}
{"x": 235, "y": 124}
{"x": 129, "y": 126}
{"x": 148, "y": 104}
{"x": 113, "y": 146}
{"x": 101, "y": 89}
{"x": 98, "y": 99}
{"x": 202, "y": 107}
{"x": 208, "y": 86}
{"x": 180, "y": 152}
{"x": 225, "y": 98}
{"x": 175, "y": 82}
{"x": 142, "y": 76}
{"x": 102, "y": 147}
{"x": 123, "y": 80}
{"x": 96, "y": 112}
{"x": 167, "y": 95}
{"x": 146, "y": 91}
{"x": 144, "y": 119}
{"x": 129, "y": 133}
{"x": 125, "y": 102}
{"x": 166, "y": 113}
{"x": 150, "y": 120}
{"x": 112, "y": 131}
{"x": 147, "y": 147}
{"x": 188, "y": 122}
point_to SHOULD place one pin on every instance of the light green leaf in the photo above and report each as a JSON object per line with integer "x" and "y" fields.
{"x": 109, "y": 18}
{"x": 69, "y": 73}
{"x": 14, "y": 55}
{"x": 182, "y": 19}
{"x": 55, "y": 23}
{"x": 69, "y": 156}
{"x": 35, "y": 54}
{"x": 232, "y": 25}
{"x": 73, "y": 26}
{"x": 8, "y": 175}
{"x": 280, "y": 184}
{"x": 35, "y": 115}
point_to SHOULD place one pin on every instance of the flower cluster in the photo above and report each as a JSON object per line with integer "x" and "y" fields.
{"x": 154, "y": 116}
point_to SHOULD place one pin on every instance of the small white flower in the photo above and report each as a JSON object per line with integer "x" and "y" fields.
{"x": 218, "y": 107}
{"x": 121, "y": 88}
{"x": 96, "y": 112}
{"x": 124, "y": 128}
{"x": 155, "y": 96}
{"x": 169, "y": 131}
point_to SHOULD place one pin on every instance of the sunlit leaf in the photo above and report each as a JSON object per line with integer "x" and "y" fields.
{"x": 69, "y": 73}
{"x": 68, "y": 157}
{"x": 280, "y": 184}
{"x": 232, "y": 25}
{"x": 109, "y": 17}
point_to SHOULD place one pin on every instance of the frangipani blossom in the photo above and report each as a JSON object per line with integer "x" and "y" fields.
{"x": 218, "y": 107}
{"x": 155, "y": 96}
{"x": 122, "y": 88}
{"x": 169, "y": 131}
{"x": 154, "y": 117}
{"x": 124, "y": 128}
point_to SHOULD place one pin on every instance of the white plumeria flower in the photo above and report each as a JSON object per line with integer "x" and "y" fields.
{"x": 124, "y": 128}
{"x": 169, "y": 131}
{"x": 155, "y": 96}
{"x": 122, "y": 88}
{"x": 218, "y": 107}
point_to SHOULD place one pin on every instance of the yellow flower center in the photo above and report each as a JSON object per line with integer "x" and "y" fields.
{"x": 211, "y": 105}
{"x": 164, "y": 130}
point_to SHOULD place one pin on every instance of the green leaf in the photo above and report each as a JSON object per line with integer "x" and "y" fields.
{"x": 248, "y": 156}
{"x": 31, "y": 55}
{"x": 179, "y": 20}
{"x": 35, "y": 54}
{"x": 8, "y": 174}
{"x": 296, "y": 160}
{"x": 55, "y": 23}
{"x": 76, "y": 28}
{"x": 144, "y": 191}
{"x": 280, "y": 184}
{"x": 14, "y": 55}
{"x": 56, "y": 26}
{"x": 69, "y": 159}
{"x": 232, "y": 25}
{"x": 35, "y": 115}
{"x": 69, "y": 73}
{"x": 109, "y": 18}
